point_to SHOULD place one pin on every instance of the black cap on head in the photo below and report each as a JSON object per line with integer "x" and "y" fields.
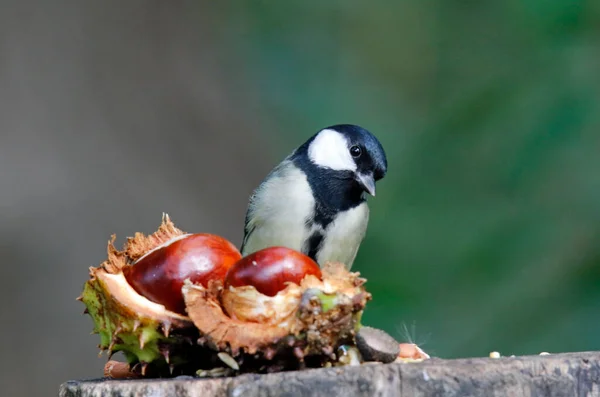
{"x": 370, "y": 155}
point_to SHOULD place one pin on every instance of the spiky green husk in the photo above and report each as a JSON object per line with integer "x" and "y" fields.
{"x": 144, "y": 331}
{"x": 142, "y": 334}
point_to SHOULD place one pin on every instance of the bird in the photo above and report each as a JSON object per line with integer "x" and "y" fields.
{"x": 315, "y": 200}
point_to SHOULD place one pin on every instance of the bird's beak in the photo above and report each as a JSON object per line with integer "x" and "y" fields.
{"x": 367, "y": 182}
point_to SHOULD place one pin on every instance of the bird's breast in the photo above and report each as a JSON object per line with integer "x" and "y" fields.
{"x": 342, "y": 237}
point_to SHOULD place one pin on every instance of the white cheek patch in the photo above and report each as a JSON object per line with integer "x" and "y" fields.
{"x": 330, "y": 149}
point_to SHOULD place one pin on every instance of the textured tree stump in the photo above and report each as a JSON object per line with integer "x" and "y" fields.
{"x": 568, "y": 375}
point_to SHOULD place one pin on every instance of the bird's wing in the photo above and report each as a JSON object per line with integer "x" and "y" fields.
{"x": 277, "y": 210}
{"x": 249, "y": 226}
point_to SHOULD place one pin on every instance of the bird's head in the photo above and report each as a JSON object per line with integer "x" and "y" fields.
{"x": 352, "y": 152}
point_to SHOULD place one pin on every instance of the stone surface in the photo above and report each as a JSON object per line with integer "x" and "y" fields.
{"x": 560, "y": 375}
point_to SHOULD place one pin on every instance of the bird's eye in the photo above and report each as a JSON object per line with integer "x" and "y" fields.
{"x": 355, "y": 151}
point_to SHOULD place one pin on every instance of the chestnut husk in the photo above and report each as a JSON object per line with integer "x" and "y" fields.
{"x": 154, "y": 340}
{"x": 323, "y": 315}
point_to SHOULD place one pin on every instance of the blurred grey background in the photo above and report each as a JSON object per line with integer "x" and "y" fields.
{"x": 484, "y": 235}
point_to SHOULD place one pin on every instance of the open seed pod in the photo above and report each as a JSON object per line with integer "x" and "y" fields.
{"x": 135, "y": 300}
{"x": 278, "y": 309}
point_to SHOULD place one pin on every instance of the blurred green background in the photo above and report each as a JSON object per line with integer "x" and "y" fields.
{"x": 483, "y": 236}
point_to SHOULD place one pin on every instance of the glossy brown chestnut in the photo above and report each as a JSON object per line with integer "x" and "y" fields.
{"x": 270, "y": 269}
{"x": 159, "y": 275}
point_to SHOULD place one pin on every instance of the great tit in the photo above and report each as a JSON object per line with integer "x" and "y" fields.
{"x": 314, "y": 201}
